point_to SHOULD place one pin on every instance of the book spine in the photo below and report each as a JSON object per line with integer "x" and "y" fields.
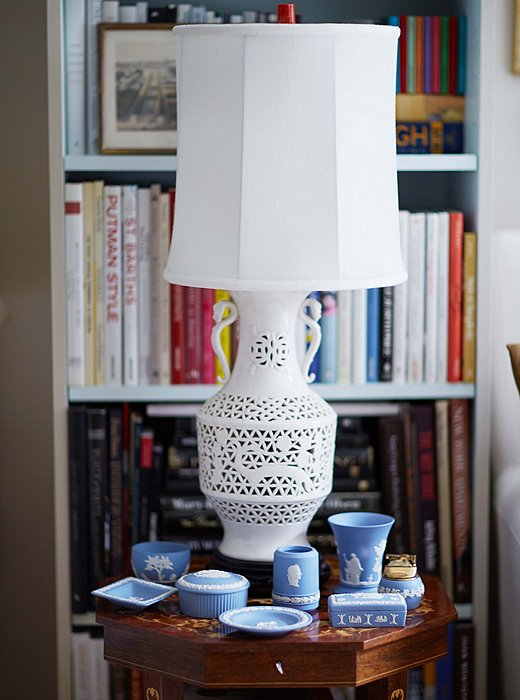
{"x": 81, "y": 665}
{"x": 193, "y": 321}
{"x": 164, "y": 291}
{"x": 314, "y": 368}
{"x": 443, "y": 298}
{"x": 156, "y": 480}
{"x": 442, "y": 455}
{"x": 461, "y": 498}
{"x": 78, "y": 509}
{"x": 419, "y": 54}
{"x": 463, "y": 670}
{"x": 455, "y": 297}
{"x": 155, "y": 284}
{"x": 393, "y": 487}
{"x": 359, "y": 334}
{"x": 110, "y": 11}
{"x": 427, "y": 535}
{"x": 134, "y": 474}
{"x": 444, "y": 54}
{"x": 98, "y": 492}
{"x": 113, "y": 286}
{"x": 130, "y": 286}
{"x": 75, "y": 284}
{"x": 144, "y": 285}
{"x": 403, "y": 50}
{"x": 208, "y": 357}
{"x": 444, "y": 669}
{"x": 328, "y": 357}
{"x": 393, "y": 20}
{"x": 93, "y": 18}
{"x": 99, "y": 675}
{"x": 469, "y": 307}
{"x": 345, "y": 501}
{"x": 225, "y": 337}
{"x": 88, "y": 277}
{"x": 99, "y": 284}
{"x": 461, "y": 56}
{"x": 75, "y": 75}
{"x": 431, "y": 297}
{"x": 453, "y": 40}
{"x": 386, "y": 335}
{"x": 411, "y": 26}
{"x": 115, "y": 469}
{"x": 373, "y": 333}
{"x": 400, "y": 310}
{"x": 410, "y": 476}
{"x": 436, "y": 54}
{"x": 429, "y": 681}
{"x": 428, "y": 54}
{"x": 146, "y": 452}
{"x": 345, "y": 336}
{"x": 416, "y": 272}
{"x": 178, "y": 334}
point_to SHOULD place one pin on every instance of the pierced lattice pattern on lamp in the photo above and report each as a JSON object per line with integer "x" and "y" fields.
{"x": 266, "y": 513}
{"x": 251, "y": 408}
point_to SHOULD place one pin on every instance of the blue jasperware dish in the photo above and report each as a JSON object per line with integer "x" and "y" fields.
{"x": 134, "y": 592}
{"x": 266, "y": 619}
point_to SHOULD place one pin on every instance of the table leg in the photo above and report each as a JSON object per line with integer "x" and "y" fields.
{"x": 393, "y": 687}
{"x": 157, "y": 687}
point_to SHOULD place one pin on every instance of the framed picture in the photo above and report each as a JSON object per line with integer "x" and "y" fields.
{"x": 138, "y": 100}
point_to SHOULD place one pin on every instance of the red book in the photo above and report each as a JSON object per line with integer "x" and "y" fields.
{"x": 426, "y": 496}
{"x": 461, "y": 498}
{"x": 178, "y": 334}
{"x": 208, "y": 357}
{"x": 436, "y": 54}
{"x": 452, "y": 55}
{"x": 455, "y": 297}
{"x": 402, "y": 53}
{"x": 193, "y": 335}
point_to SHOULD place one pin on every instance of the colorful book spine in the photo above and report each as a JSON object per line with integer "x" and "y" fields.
{"x": 428, "y": 54}
{"x": 444, "y": 55}
{"x": 403, "y": 49}
{"x": 416, "y": 273}
{"x": 469, "y": 307}
{"x": 386, "y": 335}
{"x": 178, "y": 334}
{"x": 444, "y": 669}
{"x": 444, "y": 502}
{"x": 455, "y": 297}
{"x": 156, "y": 279}
{"x": 225, "y": 338}
{"x": 461, "y": 63}
{"x": 461, "y": 498}
{"x": 443, "y": 300}
{"x": 208, "y": 356}
{"x": 193, "y": 320}
{"x": 99, "y": 284}
{"x": 144, "y": 285}
{"x": 400, "y": 309}
{"x": 314, "y": 368}
{"x": 431, "y": 297}
{"x": 419, "y": 54}
{"x": 426, "y": 519}
{"x": 89, "y": 281}
{"x": 373, "y": 332}
{"x": 113, "y": 286}
{"x": 453, "y": 30}
{"x": 411, "y": 37}
{"x": 393, "y": 21}
{"x": 130, "y": 287}
{"x": 328, "y": 356}
{"x": 75, "y": 284}
{"x": 164, "y": 291}
{"x": 345, "y": 336}
{"x": 436, "y": 54}
{"x": 359, "y": 335}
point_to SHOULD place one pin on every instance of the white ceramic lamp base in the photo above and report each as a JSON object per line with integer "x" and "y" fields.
{"x": 266, "y": 439}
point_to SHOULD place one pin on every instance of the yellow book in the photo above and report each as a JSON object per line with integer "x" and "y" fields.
{"x": 88, "y": 271}
{"x": 469, "y": 301}
{"x": 226, "y": 338}
{"x": 99, "y": 284}
{"x": 429, "y": 681}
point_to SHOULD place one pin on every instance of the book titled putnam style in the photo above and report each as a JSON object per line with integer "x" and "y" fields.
{"x": 99, "y": 284}
{"x": 113, "y": 286}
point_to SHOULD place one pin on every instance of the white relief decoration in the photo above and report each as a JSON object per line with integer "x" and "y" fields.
{"x": 160, "y": 563}
{"x": 268, "y": 350}
{"x": 415, "y": 592}
{"x": 353, "y": 568}
{"x": 269, "y": 624}
{"x": 224, "y": 314}
{"x": 135, "y": 599}
{"x": 212, "y": 573}
{"x": 295, "y": 600}
{"x": 379, "y": 549}
{"x": 294, "y": 574}
{"x": 310, "y": 314}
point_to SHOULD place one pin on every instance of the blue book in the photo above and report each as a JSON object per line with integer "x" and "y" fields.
{"x": 314, "y": 367}
{"x": 393, "y": 20}
{"x": 461, "y": 56}
{"x": 444, "y": 671}
{"x": 373, "y": 331}
{"x": 328, "y": 360}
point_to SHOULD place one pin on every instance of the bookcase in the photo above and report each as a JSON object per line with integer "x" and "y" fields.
{"x": 437, "y": 181}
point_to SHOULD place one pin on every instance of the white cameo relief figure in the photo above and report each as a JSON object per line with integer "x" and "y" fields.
{"x": 353, "y": 568}
{"x": 294, "y": 574}
{"x": 379, "y": 549}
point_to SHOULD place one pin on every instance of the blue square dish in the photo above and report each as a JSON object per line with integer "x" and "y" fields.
{"x": 134, "y": 592}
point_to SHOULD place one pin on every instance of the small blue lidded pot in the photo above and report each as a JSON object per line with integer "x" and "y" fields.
{"x": 400, "y": 576}
{"x": 210, "y": 592}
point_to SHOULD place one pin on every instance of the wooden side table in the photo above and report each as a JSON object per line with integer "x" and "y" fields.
{"x": 173, "y": 650}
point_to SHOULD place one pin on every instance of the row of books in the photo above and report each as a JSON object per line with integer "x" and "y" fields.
{"x": 127, "y": 326}
{"x": 432, "y": 54}
{"x": 183, "y": 13}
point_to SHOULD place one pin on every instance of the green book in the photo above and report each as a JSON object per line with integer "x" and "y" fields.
{"x": 445, "y": 58}
{"x": 410, "y": 53}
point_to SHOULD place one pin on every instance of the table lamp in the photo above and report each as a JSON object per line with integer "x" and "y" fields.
{"x": 286, "y": 184}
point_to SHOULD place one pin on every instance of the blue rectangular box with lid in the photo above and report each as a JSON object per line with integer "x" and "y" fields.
{"x": 367, "y": 610}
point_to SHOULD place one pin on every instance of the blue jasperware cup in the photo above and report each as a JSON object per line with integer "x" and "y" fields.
{"x": 296, "y": 577}
{"x": 361, "y": 543}
{"x": 162, "y": 562}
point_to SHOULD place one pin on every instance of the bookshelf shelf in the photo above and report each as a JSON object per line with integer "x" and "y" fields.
{"x": 379, "y": 391}
{"x": 459, "y": 162}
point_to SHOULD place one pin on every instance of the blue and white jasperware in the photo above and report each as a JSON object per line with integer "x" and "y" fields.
{"x": 266, "y": 619}
{"x": 361, "y": 543}
{"x": 210, "y": 592}
{"x": 400, "y": 576}
{"x": 367, "y": 610}
{"x": 162, "y": 562}
{"x": 134, "y": 593}
{"x": 296, "y": 577}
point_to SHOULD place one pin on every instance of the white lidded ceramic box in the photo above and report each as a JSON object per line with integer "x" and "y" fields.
{"x": 210, "y": 592}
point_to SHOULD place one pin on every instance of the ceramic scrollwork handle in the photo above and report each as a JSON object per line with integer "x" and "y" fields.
{"x": 310, "y": 314}
{"x": 221, "y": 322}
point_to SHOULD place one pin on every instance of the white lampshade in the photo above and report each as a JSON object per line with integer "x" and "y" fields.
{"x": 287, "y": 175}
